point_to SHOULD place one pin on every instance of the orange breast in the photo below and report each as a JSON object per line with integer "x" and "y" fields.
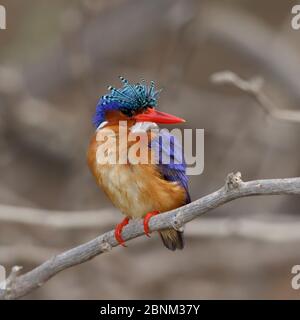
{"x": 135, "y": 189}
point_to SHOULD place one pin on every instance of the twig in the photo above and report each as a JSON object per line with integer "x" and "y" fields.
{"x": 15, "y": 271}
{"x": 254, "y": 87}
{"x": 26, "y": 283}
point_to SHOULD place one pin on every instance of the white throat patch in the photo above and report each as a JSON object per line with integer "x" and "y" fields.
{"x": 141, "y": 127}
{"x": 102, "y": 124}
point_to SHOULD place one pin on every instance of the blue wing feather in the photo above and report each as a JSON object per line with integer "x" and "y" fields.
{"x": 167, "y": 146}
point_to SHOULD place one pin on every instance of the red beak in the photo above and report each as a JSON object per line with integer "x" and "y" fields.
{"x": 152, "y": 115}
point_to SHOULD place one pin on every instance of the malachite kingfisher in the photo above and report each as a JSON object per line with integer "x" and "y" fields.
{"x": 139, "y": 190}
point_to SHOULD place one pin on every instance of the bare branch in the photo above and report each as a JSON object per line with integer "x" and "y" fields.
{"x": 36, "y": 277}
{"x": 233, "y": 181}
{"x": 15, "y": 271}
{"x": 254, "y": 87}
{"x": 268, "y": 231}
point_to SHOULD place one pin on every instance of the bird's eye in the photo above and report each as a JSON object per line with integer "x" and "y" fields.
{"x": 127, "y": 112}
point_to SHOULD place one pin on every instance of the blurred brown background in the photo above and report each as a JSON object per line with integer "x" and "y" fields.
{"x": 56, "y": 59}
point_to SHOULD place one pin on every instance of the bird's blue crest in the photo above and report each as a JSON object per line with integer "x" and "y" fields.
{"x": 129, "y": 98}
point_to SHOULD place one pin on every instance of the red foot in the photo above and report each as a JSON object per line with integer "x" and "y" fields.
{"x": 118, "y": 231}
{"x": 147, "y": 218}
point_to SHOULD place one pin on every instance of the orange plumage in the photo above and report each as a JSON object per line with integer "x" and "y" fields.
{"x": 135, "y": 189}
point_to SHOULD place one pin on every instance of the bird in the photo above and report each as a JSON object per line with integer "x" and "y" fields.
{"x": 139, "y": 190}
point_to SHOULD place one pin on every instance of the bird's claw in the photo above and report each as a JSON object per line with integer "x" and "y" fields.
{"x": 118, "y": 231}
{"x": 147, "y": 218}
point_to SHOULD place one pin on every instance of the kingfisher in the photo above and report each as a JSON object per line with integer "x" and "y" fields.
{"x": 139, "y": 190}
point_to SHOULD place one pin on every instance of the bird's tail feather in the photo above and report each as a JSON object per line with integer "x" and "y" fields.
{"x": 172, "y": 239}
